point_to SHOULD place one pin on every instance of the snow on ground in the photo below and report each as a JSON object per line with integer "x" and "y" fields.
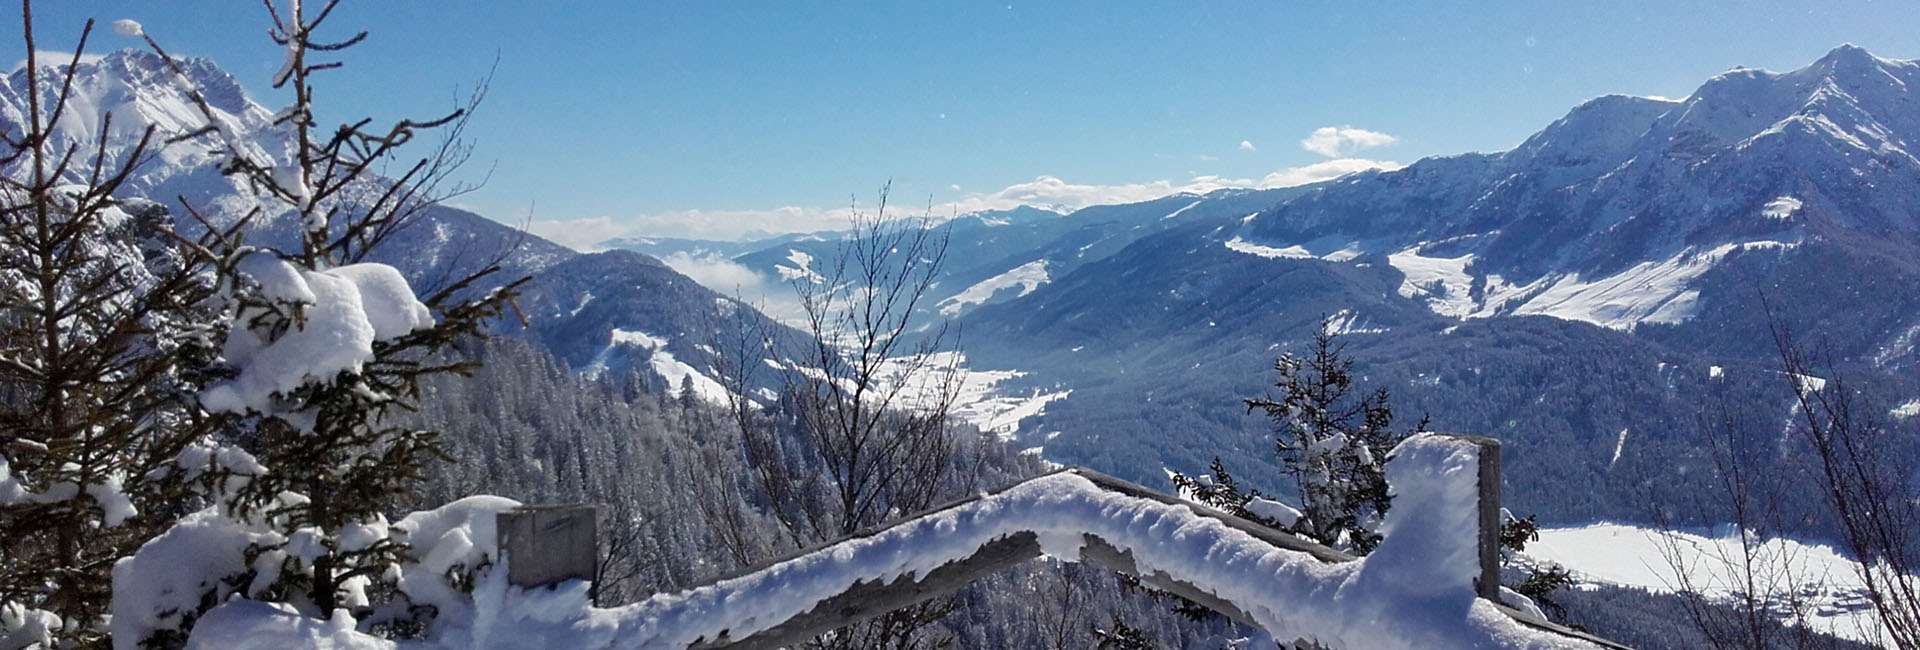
{"x": 1239, "y": 245}
{"x": 1780, "y": 208}
{"x": 1624, "y": 554}
{"x": 1002, "y": 415}
{"x": 802, "y": 267}
{"x": 1810, "y": 383}
{"x": 1443, "y": 281}
{"x": 1346, "y": 321}
{"x": 1909, "y": 409}
{"x": 1177, "y": 213}
{"x": 662, "y": 362}
{"x": 979, "y": 400}
{"x": 1653, "y": 292}
{"x": 1414, "y": 591}
{"x": 585, "y": 300}
{"x": 1027, "y": 276}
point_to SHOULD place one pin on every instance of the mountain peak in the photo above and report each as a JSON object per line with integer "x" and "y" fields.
{"x": 1849, "y": 60}
{"x": 1847, "y": 52}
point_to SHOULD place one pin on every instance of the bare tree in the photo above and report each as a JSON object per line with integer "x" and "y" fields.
{"x": 1854, "y": 459}
{"x": 872, "y": 395}
{"x": 1763, "y": 579}
{"x": 1866, "y": 481}
{"x": 861, "y": 431}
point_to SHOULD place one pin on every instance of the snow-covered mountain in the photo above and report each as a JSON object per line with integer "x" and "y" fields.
{"x": 1618, "y": 213}
{"x": 1557, "y": 295}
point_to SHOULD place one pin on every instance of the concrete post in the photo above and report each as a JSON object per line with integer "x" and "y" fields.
{"x": 548, "y": 544}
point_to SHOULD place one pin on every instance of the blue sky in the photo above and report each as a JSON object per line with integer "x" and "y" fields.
{"x": 715, "y": 119}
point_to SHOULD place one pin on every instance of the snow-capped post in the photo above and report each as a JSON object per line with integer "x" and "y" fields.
{"x": 1488, "y": 584}
{"x": 545, "y": 545}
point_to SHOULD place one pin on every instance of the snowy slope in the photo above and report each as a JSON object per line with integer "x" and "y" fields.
{"x": 1638, "y": 556}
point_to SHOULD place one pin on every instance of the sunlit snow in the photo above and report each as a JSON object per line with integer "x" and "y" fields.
{"x": 1293, "y": 252}
{"x": 1442, "y": 281}
{"x": 1781, "y": 208}
{"x": 1027, "y": 276}
{"x": 1629, "y": 555}
{"x": 978, "y": 399}
{"x": 662, "y": 362}
{"x": 1177, "y": 213}
{"x": 802, "y": 267}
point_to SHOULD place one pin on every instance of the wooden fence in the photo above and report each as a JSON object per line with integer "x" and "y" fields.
{"x": 868, "y": 599}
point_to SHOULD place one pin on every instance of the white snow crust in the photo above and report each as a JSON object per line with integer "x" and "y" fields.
{"x": 346, "y": 310}
{"x": 169, "y": 575}
{"x": 1284, "y": 515}
{"x": 243, "y": 624}
{"x": 1415, "y": 591}
{"x": 1781, "y": 208}
{"x": 1239, "y": 245}
{"x": 662, "y": 362}
{"x": 979, "y": 399}
{"x": 1443, "y": 281}
{"x": 802, "y": 268}
{"x": 1180, "y": 211}
{"x": 1625, "y": 554}
{"x": 1027, "y": 276}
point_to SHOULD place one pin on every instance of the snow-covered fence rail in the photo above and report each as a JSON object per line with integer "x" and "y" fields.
{"x": 1432, "y": 583}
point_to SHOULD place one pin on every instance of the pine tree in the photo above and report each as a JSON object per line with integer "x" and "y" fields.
{"x": 98, "y": 334}
{"x": 323, "y": 349}
{"x": 1332, "y": 442}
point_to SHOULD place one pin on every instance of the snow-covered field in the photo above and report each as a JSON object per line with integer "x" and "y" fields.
{"x": 979, "y": 400}
{"x": 1624, "y": 554}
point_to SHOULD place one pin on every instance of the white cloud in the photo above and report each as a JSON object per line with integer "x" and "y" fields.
{"x": 53, "y": 58}
{"x": 1342, "y": 141}
{"x": 1045, "y": 192}
{"x": 1246, "y": 145}
{"x": 717, "y": 273}
{"x": 584, "y": 235}
{"x": 770, "y": 296}
{"x": 1061, "y": 196}
{"x": 1323, "y": 170}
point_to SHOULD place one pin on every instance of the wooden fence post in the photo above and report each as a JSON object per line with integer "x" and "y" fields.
{"x": 545, "y": 545}
{"x": 1488, "y": 584}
